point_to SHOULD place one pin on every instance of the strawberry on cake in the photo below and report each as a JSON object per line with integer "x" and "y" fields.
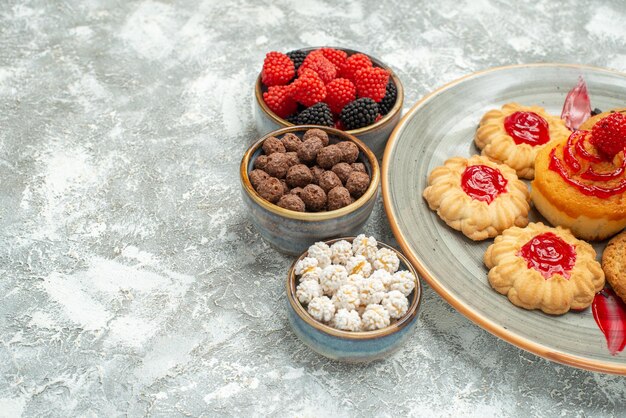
{"x": 580, "y": 182}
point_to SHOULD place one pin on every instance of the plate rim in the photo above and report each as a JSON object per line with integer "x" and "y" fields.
{"x": 473, "y": 315}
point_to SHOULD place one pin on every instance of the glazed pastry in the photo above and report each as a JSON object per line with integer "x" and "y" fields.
{"x": 515, "y": 134}
{"x": 580, "y": 182}
{"x": 477, "y": 197}
{"x": 540, "y": 267}
{"x": 614, "y": 264}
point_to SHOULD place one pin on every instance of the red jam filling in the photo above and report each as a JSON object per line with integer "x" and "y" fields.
{"x": 527, "y": 128}
{"x": 610, "y": 314}
{"x": 481, "y": 182}
{"x": 580, "y": 164}
{"x": 549, "y": 255}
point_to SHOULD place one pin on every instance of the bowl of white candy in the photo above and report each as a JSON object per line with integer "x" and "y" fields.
{"x": 353, "y": 299}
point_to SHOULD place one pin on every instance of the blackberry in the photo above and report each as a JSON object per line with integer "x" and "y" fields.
{"x": 596, "y": 111}
{"x": 389, "y": 100}
{"x": 297, "y": 57}
{"x": 318, "y": 114}
{"x": 292, "y": 118}
{"x": 359, "y": 113}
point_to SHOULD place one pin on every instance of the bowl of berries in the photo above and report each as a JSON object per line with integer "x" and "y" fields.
{"x": 353, "y": 299}
{"x": 334, "y": 87}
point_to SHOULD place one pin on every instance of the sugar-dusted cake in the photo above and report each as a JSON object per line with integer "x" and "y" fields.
{"x": 540, "y": 267}
{"x": 478, "y": 197}
{"x": 580, "y": 182}
{"x": 515, "y": 134}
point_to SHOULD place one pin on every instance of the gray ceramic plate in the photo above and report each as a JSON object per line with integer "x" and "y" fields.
{"x": 441, "y": 126}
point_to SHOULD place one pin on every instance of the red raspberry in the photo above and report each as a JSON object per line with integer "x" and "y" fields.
{"x": 280, "y": 101}
{"x": 353, "y": 64}
{"x": 372, "y": 82}
{"x": 309, "y": 88}
{"x": 317, "y": 62}
{"x": 339, "y": 93}
{"x": 335, "y": 56}
{"x": 277, "y": 70}
{"x": 339, "y": 125}
{"x": 608, "y": 135}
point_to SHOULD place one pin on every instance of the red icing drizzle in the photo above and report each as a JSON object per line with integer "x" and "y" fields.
{"x": 574, "y": 152}
{"x": 549, "y": 255}
{"x": 481, "y": 182}
{"x": 527, "y": 128}
{"x": 609, "y": 311}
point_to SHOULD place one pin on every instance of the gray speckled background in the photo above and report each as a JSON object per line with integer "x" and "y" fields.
{"x": 131, "y": 282}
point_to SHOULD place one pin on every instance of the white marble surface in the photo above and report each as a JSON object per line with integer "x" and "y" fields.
{"x": 131, "y": 282}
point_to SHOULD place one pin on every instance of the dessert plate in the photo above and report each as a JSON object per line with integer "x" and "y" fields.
{"x": 441, "y": 126}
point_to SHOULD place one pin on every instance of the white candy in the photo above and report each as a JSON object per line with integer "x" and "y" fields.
{"x": 395, "y": 303}
{"x": 371, "y": 290}
{"x": 307, "y": 290}
{"x": 354, "y": 279}
{"x": 321, "y": 309}
{"x": 306, "y": 265}
{"x": 347, "y": 320}
{"x": 332, "y": 278}
{"x": 365, "y": 246}
{"x": 386, "y": 259}
{"x": 375, "y": 317}
{"x": 313, "y": 274}
{"x": 384, "y": 276}
{"x": 403, "y": 281}
{"x": 347, "y": 297}
{"x": 321, "y": 252}
{"x": 359, "y": 265}
{"x": 341, "y": 251}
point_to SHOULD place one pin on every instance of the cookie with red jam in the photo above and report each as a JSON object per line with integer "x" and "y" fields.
{"x": 540, "y": 267}
{"x": 478, "y": 197}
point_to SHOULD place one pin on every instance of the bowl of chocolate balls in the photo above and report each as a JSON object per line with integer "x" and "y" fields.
{"x": 304, "y": 184}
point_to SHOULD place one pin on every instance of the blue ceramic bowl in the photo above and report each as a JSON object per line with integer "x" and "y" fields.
{"x": 374, "y": 136}
{"x": 348, "y": 346}
{"x": 293, "y": 232}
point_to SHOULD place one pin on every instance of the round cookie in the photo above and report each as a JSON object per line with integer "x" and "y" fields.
{"x": 614, "y": 264}
{"x": 515, "y": 134}
{"x": 477, "y": 196}
{"x": 523, "y": 266}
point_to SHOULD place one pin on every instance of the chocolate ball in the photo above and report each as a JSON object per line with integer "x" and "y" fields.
{"x": 291, "y": 142}
{"x": 285, "y": 187}
{"x": 329, "y": 180}
{"x": 292, "y": 158}
{"x": 357, "y": 183}
{"x": 257, "y": 176}
{"x": 297, "y": 191}
{"x": 277, "y": 165}
{"x": 272, "y": 145}
{"x": 342, "y": 170}
{"x": 309, "y": 149}
{"x": 358, "y": 167}
{"x": 328, "y": 156}
{"x": 349, "y": 150}
{"x": 271, "y": 189}
{"x": 260, "y": 162}
{"x": 314, "y": 197}
{"x": 338, "y": 198}
{"x": 312, "y": 133}
{"x": 291, "y": 202}
{"x": 317, "y": 172}
{"x": 299, "y": 175}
